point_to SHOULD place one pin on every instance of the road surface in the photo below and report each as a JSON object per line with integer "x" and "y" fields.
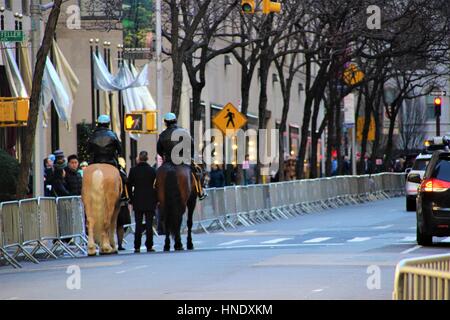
{"x": 345, "y": 253}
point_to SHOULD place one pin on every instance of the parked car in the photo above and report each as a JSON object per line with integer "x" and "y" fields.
{"x": 433, "y": 199}
{"x": 411, "y": 187}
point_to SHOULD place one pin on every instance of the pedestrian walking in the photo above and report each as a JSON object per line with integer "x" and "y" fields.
{"x": 143, "y": 200}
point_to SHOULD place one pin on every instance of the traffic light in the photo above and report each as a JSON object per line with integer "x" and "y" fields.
{"x": 248, "y": 6}
{"x": 145, "y": 122}
{"x": 437, "y": 106}
{"x": 134, "y": 122}
{"x": 271, "y": 6}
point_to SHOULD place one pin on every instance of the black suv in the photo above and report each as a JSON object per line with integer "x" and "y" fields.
{"x": 433, "y": 199}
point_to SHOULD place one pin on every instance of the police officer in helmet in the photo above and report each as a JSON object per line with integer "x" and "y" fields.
{"x": 104, "y": 145}
{"x": 165, "y": 145}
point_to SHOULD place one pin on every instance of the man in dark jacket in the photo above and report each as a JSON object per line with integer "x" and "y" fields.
{"x": 73, "y": 177}
{"x": 143, "y": 199}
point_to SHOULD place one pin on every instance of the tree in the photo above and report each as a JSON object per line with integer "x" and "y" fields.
{"x": 412, "y": 125}
{"x": 30, "y": 129}
{"x": 180, "y": 34}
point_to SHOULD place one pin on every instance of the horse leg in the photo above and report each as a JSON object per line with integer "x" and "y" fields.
{"x": 178, "y": 244}
{"x": 112, "y": 240}
{"x": 167, "y": 242}
{"x": 191, "y": 207}
{"x": 92, "y": 250}
{"x": 106, "y": 246}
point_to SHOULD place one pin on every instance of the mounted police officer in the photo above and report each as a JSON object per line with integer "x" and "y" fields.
{"x": 104, "y": 147}
{"x": 166, "y": 144}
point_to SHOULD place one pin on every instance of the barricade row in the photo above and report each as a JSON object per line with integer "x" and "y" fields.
{"x": 54, "y": 226}
{"x": 234, "y": 206}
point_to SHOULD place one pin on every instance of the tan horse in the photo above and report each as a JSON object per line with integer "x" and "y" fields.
{"x": 101, "y": 192}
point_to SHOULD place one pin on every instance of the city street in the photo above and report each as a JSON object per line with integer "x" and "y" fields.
{"x": 327, "y": 255}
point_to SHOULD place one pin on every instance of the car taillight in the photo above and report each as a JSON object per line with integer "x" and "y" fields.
{"x": 434, "y": 185}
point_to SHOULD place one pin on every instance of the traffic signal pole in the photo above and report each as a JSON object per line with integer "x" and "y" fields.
{"x": 437, "y": 113}
{"x": 438, "y": 125}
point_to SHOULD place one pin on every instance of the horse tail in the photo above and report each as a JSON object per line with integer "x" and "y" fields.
{"x": 172, "y": 201}
{"x": 98, "y": 203}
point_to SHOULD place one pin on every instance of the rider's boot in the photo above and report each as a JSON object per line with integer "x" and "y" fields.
{"x": 197, "y": 170}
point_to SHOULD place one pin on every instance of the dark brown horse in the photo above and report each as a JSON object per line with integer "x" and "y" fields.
{"x": 176, "y": 191}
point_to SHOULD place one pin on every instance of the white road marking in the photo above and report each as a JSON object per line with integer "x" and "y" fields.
{"x": 232, "y": 242}
{"x": 383, "y": 227}
{"x": 12, "y": 298}
{"x": 316, "y": 240}
{"x": 411, "y": 249}
{"x": 359, "y": 239}
{"x": 446, "y": 240}
{"x": 119, "y": 272}
{"x": 139, "y": 267}
{"x": 273, "y": 241}
{"x": 317, "y": 290}
{"x": 409, "y": 239}
{"x": 250, "y": 231}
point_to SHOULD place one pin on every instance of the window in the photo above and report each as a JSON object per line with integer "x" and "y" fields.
{"x": 26, "y": 7}
{"x": 294, "y": 140}
{"x": 420, "y": 164}
{"x": 442, "y": 170}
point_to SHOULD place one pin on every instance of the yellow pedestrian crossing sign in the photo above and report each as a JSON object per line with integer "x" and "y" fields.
{"x": 229, "y": 119}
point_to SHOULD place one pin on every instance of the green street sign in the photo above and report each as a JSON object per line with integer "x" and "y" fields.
{"x": 11, "y": 36}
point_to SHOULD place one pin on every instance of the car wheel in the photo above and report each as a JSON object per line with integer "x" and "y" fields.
{"x": 410, "y": 204}
{"x": 422, "y": 238}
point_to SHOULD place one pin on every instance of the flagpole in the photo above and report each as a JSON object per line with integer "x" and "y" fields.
{"x": 97, "y": 92}
{"x": 91, "y": 48}
{"x": 159, "y": 69}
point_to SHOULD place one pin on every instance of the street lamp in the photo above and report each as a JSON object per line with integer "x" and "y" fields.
{"x": 2, "y": 19}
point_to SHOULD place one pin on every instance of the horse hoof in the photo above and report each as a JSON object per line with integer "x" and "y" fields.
{"x": 92, "y": 254}
{"x": 190, "y": 246}
{"x": 179, "y": 248}
{"x": 106, "y": 253}
{"x": 166, "y": 249}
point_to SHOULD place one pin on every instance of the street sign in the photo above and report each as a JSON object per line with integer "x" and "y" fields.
{"x": 229, "y": 119}
{"x": 438, "y": 93}
{"x": 137, "y": 54}
{"x": 352, "y": 75}
{"x": 349, "y": 109}
{"x": 360, "y": 127}
{"x": 11, "y": 36}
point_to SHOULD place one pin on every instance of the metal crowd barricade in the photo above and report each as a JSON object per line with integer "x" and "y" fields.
{"x": 30, "y": 220}
{"x": 242, "y": 205}
{"x": 8, "y": 228}
{"x": 49, "y": 229}
{"x": 425, "y": 278}
{"x": 12, "y": 230}
{"x": 71, "y": 221}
